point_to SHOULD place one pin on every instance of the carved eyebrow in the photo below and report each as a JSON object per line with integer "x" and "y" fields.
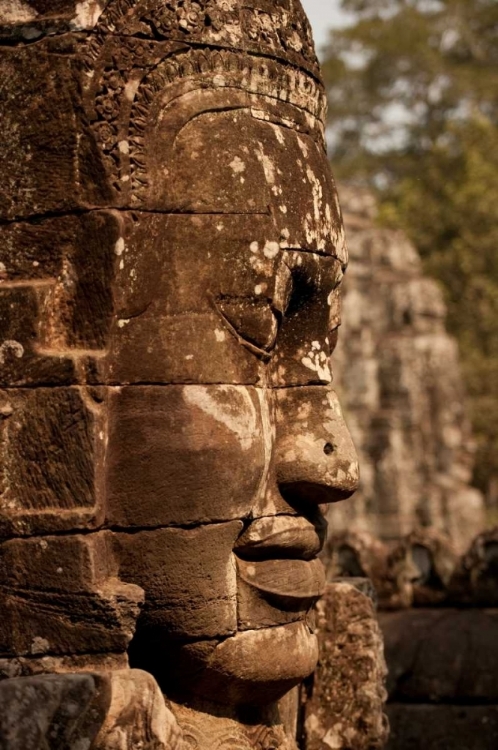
{"x": 209, "y": 111}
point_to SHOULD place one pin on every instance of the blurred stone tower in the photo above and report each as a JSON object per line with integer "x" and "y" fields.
{"x": 398, "y": 371}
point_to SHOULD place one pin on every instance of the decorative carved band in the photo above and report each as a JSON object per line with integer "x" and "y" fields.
{"x": 278, "y": 29}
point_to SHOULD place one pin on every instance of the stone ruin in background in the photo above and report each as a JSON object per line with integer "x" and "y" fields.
{"x": 413, "y": 526}
{"x": 172, "y": 253}
{"x": 398, "y": 374}
{"x": 439, "y": 619}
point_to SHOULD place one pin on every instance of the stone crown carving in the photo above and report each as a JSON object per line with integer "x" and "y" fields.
{"x": 258, "y": 47}
{"x": 278, "y": 29}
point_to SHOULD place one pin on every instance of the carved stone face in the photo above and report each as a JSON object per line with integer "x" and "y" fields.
{"x": 171, "y": 299}
{"x": 227, "y": 436}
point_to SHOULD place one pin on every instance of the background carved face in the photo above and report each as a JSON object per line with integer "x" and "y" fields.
{"x": 227, "y": 436}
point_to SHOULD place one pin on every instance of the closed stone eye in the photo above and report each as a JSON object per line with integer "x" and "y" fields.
{"x": 253, "y": 320}
{"x": 257, "y": 320}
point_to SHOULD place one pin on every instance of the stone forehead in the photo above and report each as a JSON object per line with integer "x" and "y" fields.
{"x": 276, "y": 28}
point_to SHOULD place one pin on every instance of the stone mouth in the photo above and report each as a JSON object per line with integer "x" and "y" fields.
{"x": 281, "y": 538}
{"x": 300, "y": 581}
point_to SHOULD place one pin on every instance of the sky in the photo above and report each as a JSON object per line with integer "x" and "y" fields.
{"x": 323, "y": 14}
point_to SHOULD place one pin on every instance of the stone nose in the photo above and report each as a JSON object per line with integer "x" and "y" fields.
{"x": 315, "y": 459}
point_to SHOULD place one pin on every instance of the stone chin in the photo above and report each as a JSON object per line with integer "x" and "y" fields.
{"x": 258, "y": 667}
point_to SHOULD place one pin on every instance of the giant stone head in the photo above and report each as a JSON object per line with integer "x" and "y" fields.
{"x": 184, "y": 333}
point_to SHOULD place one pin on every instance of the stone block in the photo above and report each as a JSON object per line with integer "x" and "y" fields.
{"x": 51, "y": 447}
{"x": 345, "y": 704}
{"x": 22, "y": 362}
{"x": 441, "y": 727}
{"x": 230, "y": 160}
{"x": 57, "y": 301}
{"x": 61, "y": 595}
{"x": 445, "y": 655}
{"x": 189, "y": 579}
{"x": 188, "y": 348}
{"x": 103, "y": 711}
{"x": 52, "y": 711}
{"x": 182, "y": 455}
{"x": 216, "y": 169}
{"x": 52, "y": 123}
{"x": 34, "y": 18}
{"x": 181, "y": 319}
{"x": 30, "y": 666}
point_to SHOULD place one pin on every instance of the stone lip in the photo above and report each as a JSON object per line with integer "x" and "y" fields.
{"x": 278, "y": 537}
{"x": 277, "y": 556}
{"x": 291, "y": 580}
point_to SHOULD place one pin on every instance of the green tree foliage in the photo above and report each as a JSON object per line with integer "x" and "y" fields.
{"x": 413, "y": 97}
